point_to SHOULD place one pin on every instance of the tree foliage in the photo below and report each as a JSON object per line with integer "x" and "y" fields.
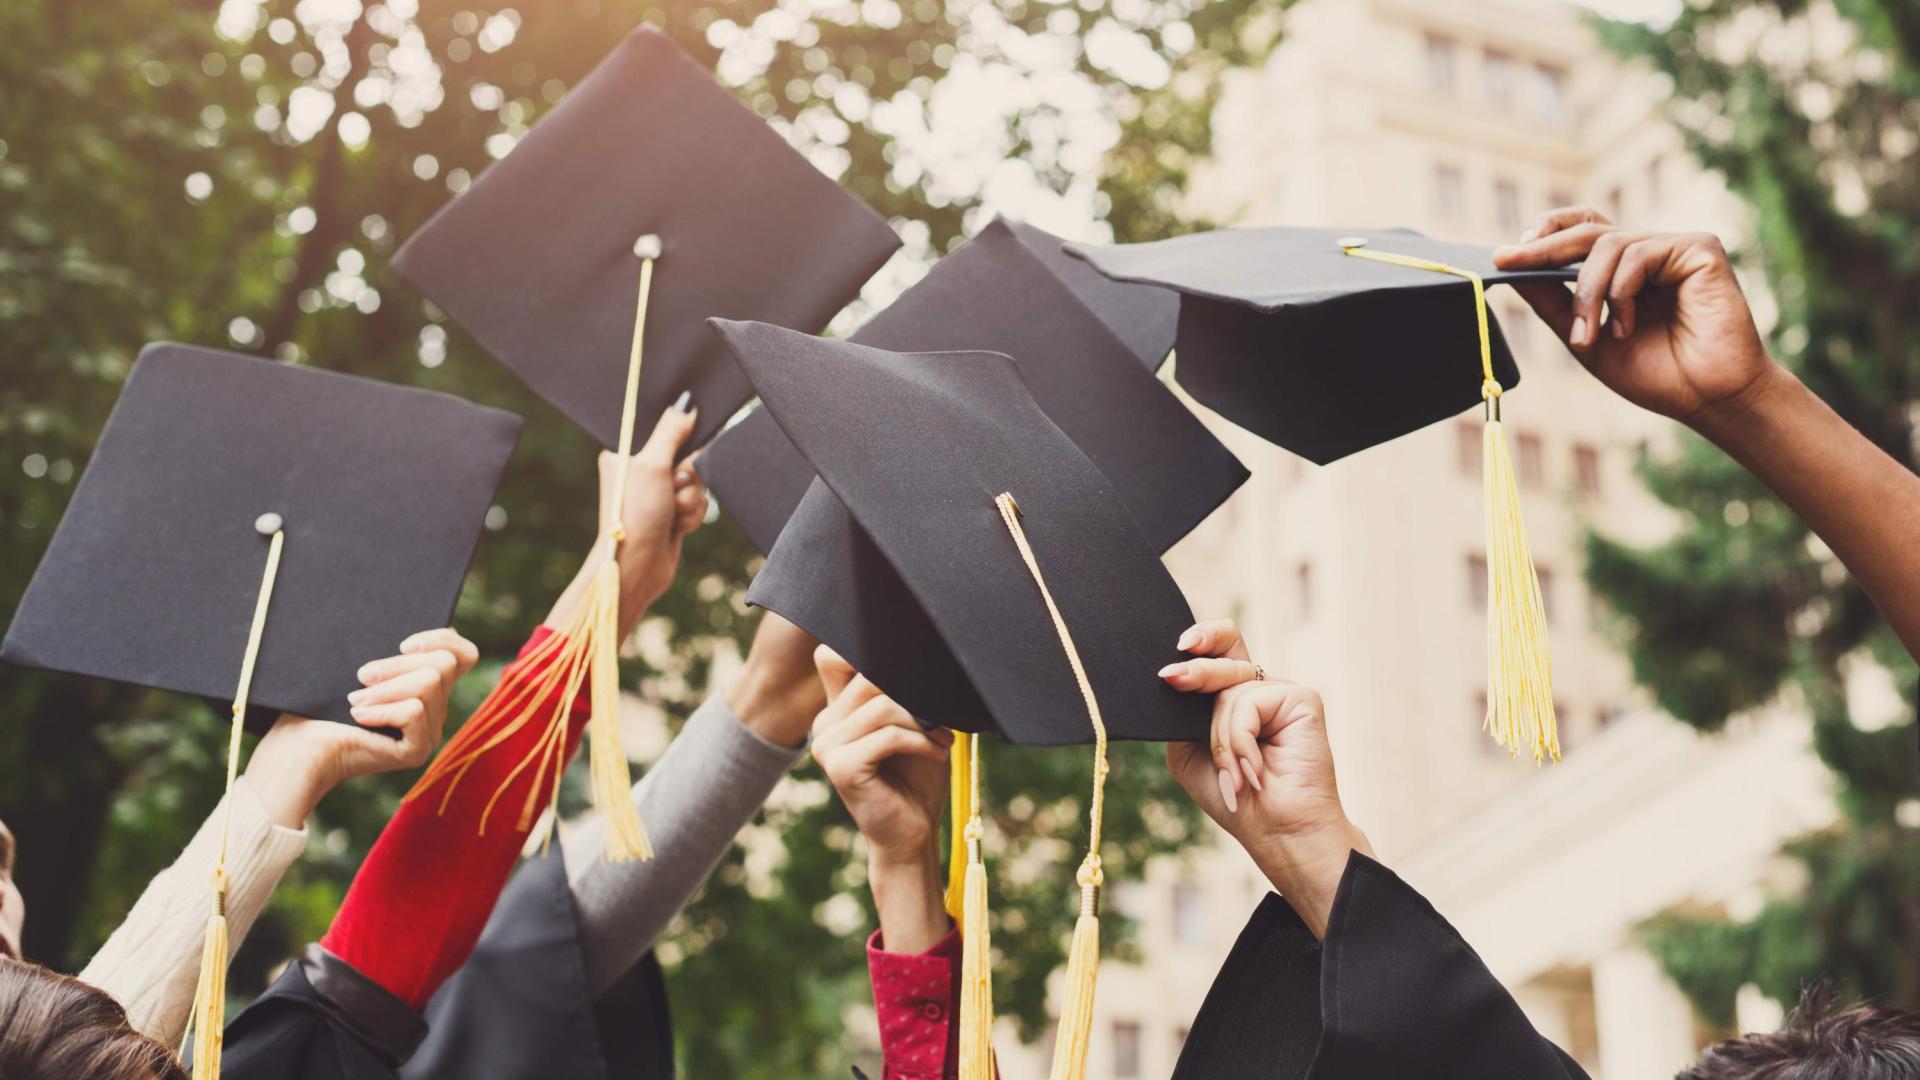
{"x": 237, "y": 174}
{"x": 1810, "y": 111}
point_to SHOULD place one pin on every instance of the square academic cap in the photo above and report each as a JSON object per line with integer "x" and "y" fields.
{"x": 997, "y": 292}
{"x": 153, "y": 575}
{"x": 1287, "y": 333}
{"x": 648, "y": 156}
{"x": 1143, "y": 316}
{"x": 901, "y": 559}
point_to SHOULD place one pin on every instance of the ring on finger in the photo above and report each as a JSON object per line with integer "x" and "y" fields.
{"x": 1259, "y": 673}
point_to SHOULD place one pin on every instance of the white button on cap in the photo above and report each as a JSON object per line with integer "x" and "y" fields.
{"x": 647, "y": 247}
{"x": 1347, "y": 242}
{"x": 267, "y": 524}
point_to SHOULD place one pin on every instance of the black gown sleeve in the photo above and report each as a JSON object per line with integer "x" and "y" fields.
{"x": 1394, "y": 991}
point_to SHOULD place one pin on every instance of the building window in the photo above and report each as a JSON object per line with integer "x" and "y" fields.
{"x": 1550, "y": 94}
{"x": 1506, "y": 206}
{"x": 1473, "y": 449}
{"x": 1126, "y": 1048}
{"x": 1499, "y": 79}
{"x": 1449, "y": 193}
{"x": 1532, "y": 461}
{"x": 1442, "y": 75}
{"x": 1546, "y": 590}
{"x": 1559, "y": 197}
{"x": 1303, "y": 590}
{"x": 1477, "y": 582}
{"x": 1189, "y": 915}
{"x": 1586, "y": 470}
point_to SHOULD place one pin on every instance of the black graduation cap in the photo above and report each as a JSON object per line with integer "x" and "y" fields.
{"x": 1143, "y": 316}
{"x": 1001, "y": 292}
{"x": 541, "y": 259}
{"x": 899, "y": 558}
{"x": 1287, "y": 334}
{"x": 153, "y": 574}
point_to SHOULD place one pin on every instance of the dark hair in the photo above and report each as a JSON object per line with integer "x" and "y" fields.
{"x": 1865, "y": 1042}
{"x": 54, "y": 1027}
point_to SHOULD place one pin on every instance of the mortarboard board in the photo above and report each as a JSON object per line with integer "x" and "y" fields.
{"x": 255, "y": 531}
{"x": 152, "y": 577}
{"x": 648, "y": 170}
{"x": 956, "y": 495}
{"x": 538, "y": 260}
{"x": 998, "y": 293}
{"x": 1287, "y": 335}
{"x": 1328, "y": 341}
{"x": 1143, "y": 316}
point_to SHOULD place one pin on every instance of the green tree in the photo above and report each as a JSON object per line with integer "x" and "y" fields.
{"x": 1816, "y": 130}
{"x": 237, "y": 173}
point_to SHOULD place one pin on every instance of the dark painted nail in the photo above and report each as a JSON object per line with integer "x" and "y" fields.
{"x": 684, "y": 403}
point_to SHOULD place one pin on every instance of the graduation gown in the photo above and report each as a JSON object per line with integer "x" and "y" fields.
{"x": 1393, "y": 991}
{"x": 519, "y": 1007}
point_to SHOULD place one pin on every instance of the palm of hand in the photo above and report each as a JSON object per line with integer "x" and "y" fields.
{"x": 1298, "y": 793}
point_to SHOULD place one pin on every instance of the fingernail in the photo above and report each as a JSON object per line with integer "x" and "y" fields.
{"x": 1226, "y": 792}
{"x": 356, "y": 697}
{"x": 1502, "y": 252}
{"x": 359, "y": 713}
{"x": 1173, "y": 671}
{"x": 685, "y": 476}
{"x": 1619, "y": 330}
{"x": 1253, "y": 774}
{"x": 684, "y": 402}
{"x": 1188, "y": 640}
{"x": 1579, "y": 334}
{"x": 365, "y": 674}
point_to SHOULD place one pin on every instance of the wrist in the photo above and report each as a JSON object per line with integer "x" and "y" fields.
{"x": 1735, "y": 421}
{"x": 1306, "y": 866}
{"x": 776, "y": 700}
{"x": 909, "y": 898}
{"x": 288, "y": 783}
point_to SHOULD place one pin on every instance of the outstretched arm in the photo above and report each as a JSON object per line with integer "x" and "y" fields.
{"x": 1661, "y": 320}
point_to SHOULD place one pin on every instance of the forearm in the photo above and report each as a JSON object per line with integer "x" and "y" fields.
{"x": 152, "y": 961}
{"x": 1861, "y": 502}
{"x": 1306, "y": 868}
{"x": 634, "y": 597}
{"x": 710, "y": 782}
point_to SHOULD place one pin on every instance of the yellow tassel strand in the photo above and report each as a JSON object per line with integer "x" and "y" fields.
{"x": 207, "y": 1020}
{"x": 960, "y": 799}
{"x": 1083, "y": 958}
{"x": 585, "y": 651}
{"x": 1520, "y": 713}
{"x": 976, "y": 959}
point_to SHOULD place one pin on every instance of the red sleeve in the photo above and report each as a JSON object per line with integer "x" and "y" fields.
{"x": 419, "y": 902}
{"x": 917, "y": 1000}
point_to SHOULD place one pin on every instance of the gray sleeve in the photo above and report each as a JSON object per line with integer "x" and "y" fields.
{"x": 710, "y": 782}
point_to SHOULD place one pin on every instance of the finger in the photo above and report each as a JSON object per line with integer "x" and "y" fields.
{"x": 835, "y": 672}
{"x": 1562, "y": 218}
{"x": 1555, "y": 250}
{"x": 396, "y": 715}
{"x": 440, "y": 662}
{"x": 1207, "y": 676}
{"x": 833, "y": 723}
{"x": 1220, "y": 746}
{"x": 1590, "y": 292}
{"x": 420, "y": 682}
{"x": 1550, "y": 300}
{"x": 1644, "y": 262}
{"x": 876, "y": 713}
{"x": 465, "y": 653}
{"x": 670, "y": 435}
{"x": 867, "y": 753}
{"x": 1242, "y": 735}
{"x": 1215, "y": 637}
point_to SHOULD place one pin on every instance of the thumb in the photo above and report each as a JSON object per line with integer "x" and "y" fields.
{"x": 670, "y": 434}
{"x": 835, "y": 672}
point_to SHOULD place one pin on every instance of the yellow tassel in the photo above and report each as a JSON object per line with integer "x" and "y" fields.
{"x": 1520, "y": 712}
{"x": 1083, "y": 970}
{"x": 960, "y": 799}
{"x": 584, "y": 651}
{"x": 208, "y": 1019}
{"x": 976, "y": 953}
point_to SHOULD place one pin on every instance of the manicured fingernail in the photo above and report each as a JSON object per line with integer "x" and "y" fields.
{"x": 1579, "y": 334}
{"x": 1188, "y": 640}
{"x": 358, "y": 697}
{"x": 684, "y": 402}
{"x": 1253, "y": 774}
{"x": 1226, "y": 792}
{"x": 1172, "y": 671}
{"x": 365, "y": 674}
{"x": 360, "y": 714}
